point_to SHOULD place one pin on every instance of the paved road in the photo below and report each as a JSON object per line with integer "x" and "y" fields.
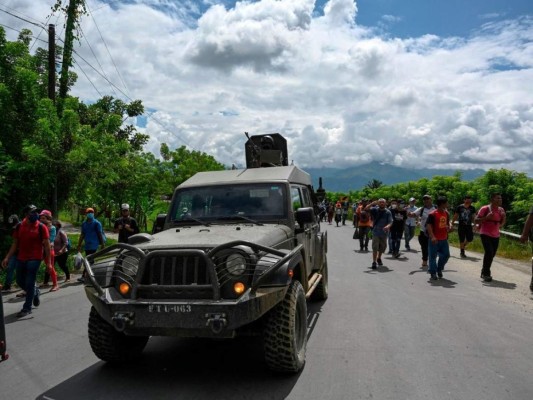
{"x": 385, "y": 334}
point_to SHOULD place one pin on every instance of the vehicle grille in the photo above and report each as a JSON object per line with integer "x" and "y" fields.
{"x": 176, "y": 277}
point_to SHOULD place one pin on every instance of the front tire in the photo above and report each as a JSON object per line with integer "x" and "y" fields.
{"x": 110, "y": 345}
{"x": 285, "y": 333}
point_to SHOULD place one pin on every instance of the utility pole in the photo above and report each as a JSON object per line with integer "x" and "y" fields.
{"x": 52, "y": 62}
{"x": 52, "y": 92}
{"x": 67, "y": 50}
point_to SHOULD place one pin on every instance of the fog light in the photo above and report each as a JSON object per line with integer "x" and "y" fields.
{"x": 124, "y": 288}
{"x": 238, "y": 287}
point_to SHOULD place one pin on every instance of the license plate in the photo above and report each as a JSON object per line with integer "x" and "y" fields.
{"x": 169, "y": 308}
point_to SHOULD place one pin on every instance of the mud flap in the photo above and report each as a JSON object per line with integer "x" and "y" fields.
{"x": 3, "y": 346}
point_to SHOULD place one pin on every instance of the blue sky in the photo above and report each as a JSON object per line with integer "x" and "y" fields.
{"x": 438, "y": 83}
{"x": 439, "y": 17}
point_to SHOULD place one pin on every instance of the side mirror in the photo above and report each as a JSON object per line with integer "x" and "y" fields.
{"x": 305, "y": 215}
{"x": 159, "y": 223}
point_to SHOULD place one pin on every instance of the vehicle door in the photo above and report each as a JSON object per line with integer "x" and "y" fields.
{"x": 300, "y": 198}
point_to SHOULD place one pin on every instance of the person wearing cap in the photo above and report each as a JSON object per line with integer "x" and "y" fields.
{"x": 31, "y": 238}
{"x": 13, "y": 221}
{"x": 125, "y": 225}
{"x": 46, "y": 218}
{"x": 465, "y": 213}
{"x": 422, "y": 214}
{"x": 410, "y": 223}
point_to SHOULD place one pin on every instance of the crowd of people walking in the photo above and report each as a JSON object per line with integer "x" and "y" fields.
{"x": 40, "y": 240}
{"x": 387, "y": 223}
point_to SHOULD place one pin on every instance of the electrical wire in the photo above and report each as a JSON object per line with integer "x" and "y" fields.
{"x": 16, "y": 30}
{"x": 95, "y": 57}
{"x": 107, "y": 48}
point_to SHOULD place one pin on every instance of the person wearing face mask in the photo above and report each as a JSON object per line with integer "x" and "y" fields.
{"x": 31, "y": 239}
{"x": 46, "y": 218}
{"x": 91, "y": 234}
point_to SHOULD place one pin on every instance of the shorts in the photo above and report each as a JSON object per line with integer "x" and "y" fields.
{"x": 465, "y": 233}
{"x": 379, "y": 243}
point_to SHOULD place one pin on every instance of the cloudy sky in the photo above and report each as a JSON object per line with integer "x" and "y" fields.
{"x": 444, "y": 84}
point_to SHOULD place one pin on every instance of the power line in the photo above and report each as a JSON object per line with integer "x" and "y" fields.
{"x": 92, "y": 84}
{"x": 16, "y": 30}
{"x": 95, "y": 57}
{"x": 23, "y": 19}
{"x": 107, "y": 48}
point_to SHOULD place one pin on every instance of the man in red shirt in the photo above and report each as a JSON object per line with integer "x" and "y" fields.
{"x": 437, "y": 227}
{"x": 31, "y": 238}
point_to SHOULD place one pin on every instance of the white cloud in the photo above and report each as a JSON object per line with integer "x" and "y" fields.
{"x": 339, "y": 92}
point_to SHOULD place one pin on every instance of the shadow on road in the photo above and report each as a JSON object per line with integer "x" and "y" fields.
{"x": 500, "y": 284}
{"x": 381, "y": 269}
{"x": 173, "y": 368}
{"x": 443, "y": 282}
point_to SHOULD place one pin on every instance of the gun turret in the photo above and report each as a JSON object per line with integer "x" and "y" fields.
{"x": 266, "y": 151}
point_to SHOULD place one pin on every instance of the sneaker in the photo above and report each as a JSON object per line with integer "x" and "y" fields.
{"x": 6, "y": 289}
{"x": 366, "y": 248}
{"x": 424, "y": 264}
{"x": 380, "y": 263}
{"x": 374, "y": 266}
{"x": 81, "y": 280}
{"x": 23, "y": 313}
{"x": 486, "y": 278}
{"x": 434, "y": 277}
{"x": 397, "y": 255}
{"x": 439, "y": 274}
{"x": 37, "y": 298}
{"x": 463, "y": 255}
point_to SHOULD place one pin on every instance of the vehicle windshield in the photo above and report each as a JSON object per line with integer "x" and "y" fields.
{"x": 255, "y": 201}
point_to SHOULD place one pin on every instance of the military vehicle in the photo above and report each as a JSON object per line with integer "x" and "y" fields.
{"x": 239, "y": 252}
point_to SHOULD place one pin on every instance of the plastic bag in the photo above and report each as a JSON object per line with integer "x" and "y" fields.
{"x": 78, "y": 261}
{"x": 356, "y": 233}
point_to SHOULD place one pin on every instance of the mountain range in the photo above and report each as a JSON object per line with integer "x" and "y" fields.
{"x": 355, "y": 178}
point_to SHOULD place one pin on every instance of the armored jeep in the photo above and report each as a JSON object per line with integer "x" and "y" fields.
{"x": 239, "y": 252}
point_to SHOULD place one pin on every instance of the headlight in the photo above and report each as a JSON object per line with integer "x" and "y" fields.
{"x": 236, "y": 264}
{"x": 127, "y": 266}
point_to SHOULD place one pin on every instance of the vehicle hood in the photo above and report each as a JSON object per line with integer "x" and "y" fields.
{"x": 210, "y": 236}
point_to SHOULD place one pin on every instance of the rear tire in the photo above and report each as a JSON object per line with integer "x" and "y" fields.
{"x": 110, "y": 345}
{"x": 285, "y": 333}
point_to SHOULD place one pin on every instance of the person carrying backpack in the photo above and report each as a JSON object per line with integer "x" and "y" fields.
{"x": 92, "y": 234}
{"x": 61, "y": 248}
{"x": 31, "y": 239}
